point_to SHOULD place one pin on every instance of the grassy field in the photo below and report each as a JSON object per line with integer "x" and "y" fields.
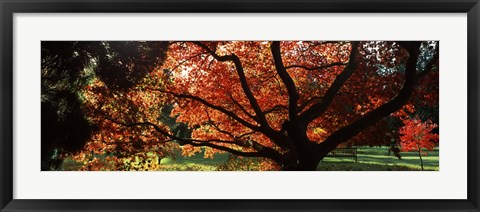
{"x": 369, "y": 159}
{"x": 377, "y": 159}
{"x": 194, "y": 163}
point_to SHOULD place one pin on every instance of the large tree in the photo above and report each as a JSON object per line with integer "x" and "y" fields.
{"x": 289, "y": 102}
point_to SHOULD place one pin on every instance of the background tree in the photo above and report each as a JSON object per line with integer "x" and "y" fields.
{"x": 68, "y": 66}
{"x": 417, "y": 135}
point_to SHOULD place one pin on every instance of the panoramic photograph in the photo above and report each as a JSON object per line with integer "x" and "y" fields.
{"x": 240, "y": 105}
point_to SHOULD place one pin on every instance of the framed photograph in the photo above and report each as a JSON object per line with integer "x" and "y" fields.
{"x": 238, "y": 105}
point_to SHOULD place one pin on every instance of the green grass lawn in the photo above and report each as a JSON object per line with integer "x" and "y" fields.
{"x": 377, "y": 159}
{"x": 369, "y": 159}
{"x": 194, "y": 163}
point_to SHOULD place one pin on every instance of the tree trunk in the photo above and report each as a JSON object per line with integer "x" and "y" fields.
{"x": 304, "y": 153}
{"x": 307, "y": 160}
{"x": 304, "y": 166}
{"x": 421, "y": 160}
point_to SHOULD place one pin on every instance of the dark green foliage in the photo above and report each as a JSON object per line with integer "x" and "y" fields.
{"x": 67, "y": 66}
{"x": 122, "y": 64}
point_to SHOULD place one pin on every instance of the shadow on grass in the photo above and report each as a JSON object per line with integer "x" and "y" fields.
{"x": 369, "y": 159}
{"x": 377, "y": 159}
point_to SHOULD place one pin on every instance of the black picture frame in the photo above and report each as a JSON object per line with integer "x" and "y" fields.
{"x": 9, "y": 7}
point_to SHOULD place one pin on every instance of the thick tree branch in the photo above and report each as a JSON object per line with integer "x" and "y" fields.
{"x": 261, "y": 151}
{"x": 287, "y": 81}
{"x": 264, "y": 152}
{"x": 273, "y": 135}
{"x": 243, "y": 80}
{"x": 215, "y": 107}
{"x": 317, "y": 109}
{"x": 230, "y": 150}
{"x": 276, "y": 137}
{"x": 386, "y": 109}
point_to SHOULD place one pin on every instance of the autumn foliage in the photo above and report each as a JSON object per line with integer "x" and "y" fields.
{"x": 287, "y": 103}
{"x": 417, "y": 135}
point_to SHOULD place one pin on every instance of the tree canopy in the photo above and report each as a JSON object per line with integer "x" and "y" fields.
{"x": 287, "y": 102}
